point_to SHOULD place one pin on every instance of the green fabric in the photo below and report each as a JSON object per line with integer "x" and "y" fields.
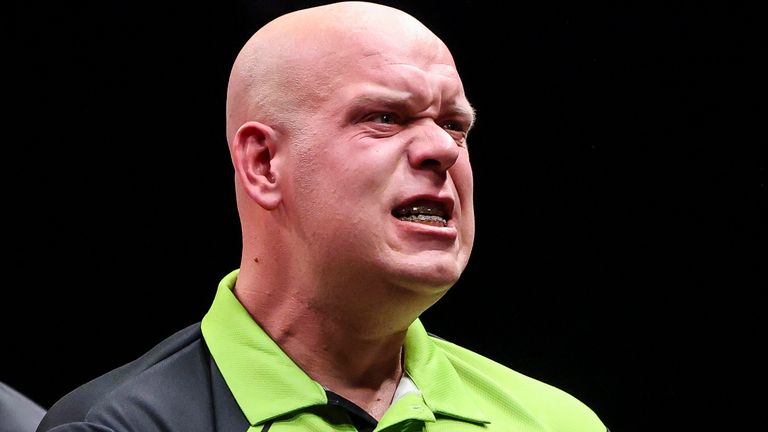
{"x": 265, "y": 382}
{"x": 459, "y": 390}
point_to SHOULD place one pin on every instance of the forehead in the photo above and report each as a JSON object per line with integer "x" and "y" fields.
{"x": 422, "y": 73}
{"x": 334, "y": 63}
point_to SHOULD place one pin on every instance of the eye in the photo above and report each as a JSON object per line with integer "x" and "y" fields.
{"x": 454, "y": 126}
{"x": 457, "y": 129}
{"x": 385, "y": 118}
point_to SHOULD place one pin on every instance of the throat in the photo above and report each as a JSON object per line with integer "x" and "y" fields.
{"x": 362, "y": 401}
{"x": 371, "y": 397}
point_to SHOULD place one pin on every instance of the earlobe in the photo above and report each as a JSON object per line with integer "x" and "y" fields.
{"x": 253, "y": 156}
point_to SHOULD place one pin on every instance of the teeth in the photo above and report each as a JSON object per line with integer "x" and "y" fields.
{"x": 424, "y": 210}
{"x": 425, "y": 219}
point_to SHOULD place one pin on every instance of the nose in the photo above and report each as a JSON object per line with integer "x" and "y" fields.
{"x": 432, "y": 148}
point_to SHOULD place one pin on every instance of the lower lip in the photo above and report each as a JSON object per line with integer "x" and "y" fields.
{"x": 447, "y": 232}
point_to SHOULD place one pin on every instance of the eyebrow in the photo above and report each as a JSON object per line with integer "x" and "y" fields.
{"x": 397, "y": 99}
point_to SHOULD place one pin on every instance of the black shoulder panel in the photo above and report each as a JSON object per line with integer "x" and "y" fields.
{"x": 167, "y": 389}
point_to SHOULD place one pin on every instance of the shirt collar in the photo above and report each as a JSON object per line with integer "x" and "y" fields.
{"x": 264, "y": 381}
{"x": 267, "y": 384}
{"x": 434, "y": 374}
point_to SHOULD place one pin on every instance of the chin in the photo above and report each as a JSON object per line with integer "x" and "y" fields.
{"x": 432, "y": 277}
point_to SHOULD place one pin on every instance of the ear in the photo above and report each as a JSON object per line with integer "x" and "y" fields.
{"x": 253, "y": 155}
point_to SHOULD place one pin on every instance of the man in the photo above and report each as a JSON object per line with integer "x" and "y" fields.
{"x": 347, "y": 126}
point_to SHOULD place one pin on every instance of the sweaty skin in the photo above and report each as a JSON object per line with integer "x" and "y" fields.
{"x": 347, "y": 126}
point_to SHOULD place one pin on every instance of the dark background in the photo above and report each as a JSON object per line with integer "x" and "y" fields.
{"x": 619, "y": 194}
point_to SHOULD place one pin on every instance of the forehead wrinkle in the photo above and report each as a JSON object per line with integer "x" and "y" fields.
{"x": 382, "y": 95}
{"x": 420, "y": 90}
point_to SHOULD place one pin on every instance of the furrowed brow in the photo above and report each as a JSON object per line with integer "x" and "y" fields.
{"x": 394, "y": 99}
{"x": 361, "y": 104}
{"x": 404, "y": 101}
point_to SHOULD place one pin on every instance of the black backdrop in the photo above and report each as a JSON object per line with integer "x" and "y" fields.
{"x": 618, "y": 194}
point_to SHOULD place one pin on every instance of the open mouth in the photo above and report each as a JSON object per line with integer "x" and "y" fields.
{"x": 427, "y": 212}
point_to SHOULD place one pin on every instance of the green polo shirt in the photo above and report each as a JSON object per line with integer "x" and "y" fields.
{"x": 459, "y": 390}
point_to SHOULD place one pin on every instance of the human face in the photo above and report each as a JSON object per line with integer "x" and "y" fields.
{"x": 382, "y": 174}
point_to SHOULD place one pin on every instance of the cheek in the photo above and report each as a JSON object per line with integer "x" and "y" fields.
{"x": 463, "y": 181}
{"x": 338, "y": 171}
{"x": 365, "y": 172}
{"x": 461, "y": 174}
{"x": 343, "y": 184}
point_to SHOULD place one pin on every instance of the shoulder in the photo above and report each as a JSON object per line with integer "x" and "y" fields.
{"x": 17, "y": 412}
{"x": 551, "y": 408}
{"x": 168, "y": 383}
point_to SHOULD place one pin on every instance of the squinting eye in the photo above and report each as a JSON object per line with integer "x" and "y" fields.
{"x": 453, "y": 126}
{"x": 386, "y": 118}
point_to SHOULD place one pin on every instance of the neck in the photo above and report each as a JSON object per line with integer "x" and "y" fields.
{"x": 364, "y": 370}
{"x": 353, "y": 349}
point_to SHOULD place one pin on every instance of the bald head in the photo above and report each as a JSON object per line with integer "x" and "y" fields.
{"x": 291, "y": 65}
{"x": 338, "y": 118}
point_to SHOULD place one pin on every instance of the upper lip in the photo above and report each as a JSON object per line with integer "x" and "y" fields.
{"x": 445, "y": 202}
